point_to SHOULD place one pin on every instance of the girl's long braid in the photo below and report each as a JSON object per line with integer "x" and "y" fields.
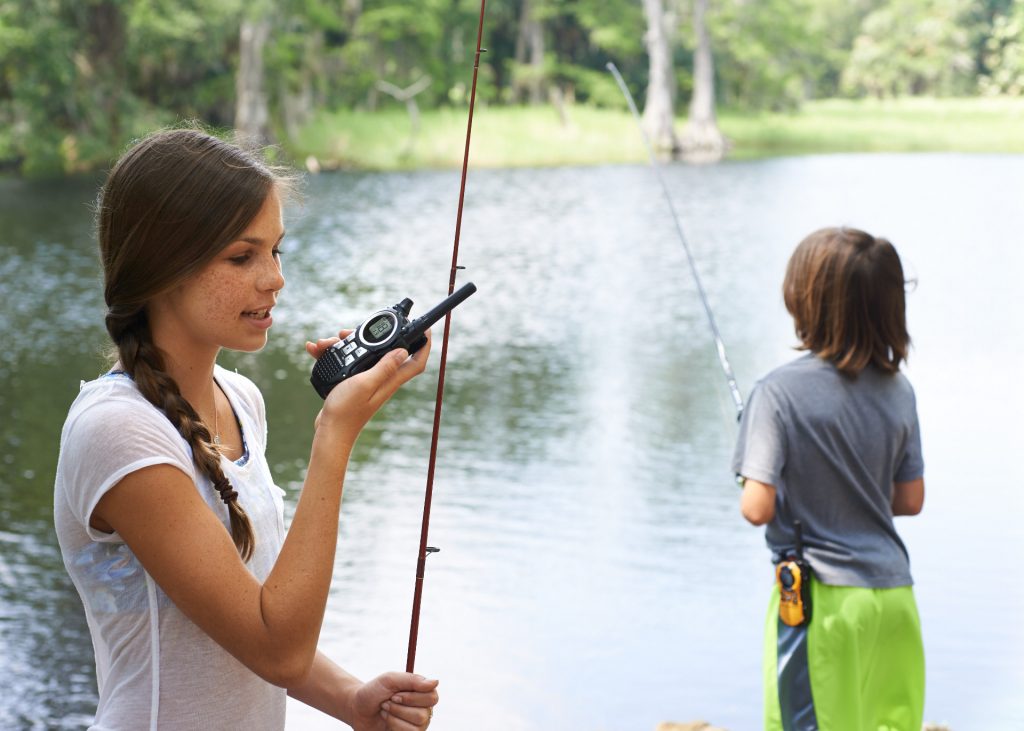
{"x": 172, "y": 202}
{"x": 143, "y": 361}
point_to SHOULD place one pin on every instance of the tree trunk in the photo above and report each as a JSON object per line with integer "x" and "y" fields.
{"x": 408, "y": 96}
{"x": 530, "y": 50}
{"x": 658, "y": 113}
{"x": 296, "y": 106}
{"x": 105, "y": 65}
{"x": 350, "y": 11}
{"x": 559, "y": 101}
{"x": 297, "y": 103}
{"x": 702, "y": 141}
{"x": 536, "y": 41}
{"x": 252, "y": 115}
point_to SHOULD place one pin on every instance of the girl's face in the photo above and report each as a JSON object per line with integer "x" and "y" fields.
{"x": 227, "y": 303}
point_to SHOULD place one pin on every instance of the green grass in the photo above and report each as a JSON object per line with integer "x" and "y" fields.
{"x": 524, "y": 136}
{"x": 502, "y": 137}
{"x": 898, "y": 125}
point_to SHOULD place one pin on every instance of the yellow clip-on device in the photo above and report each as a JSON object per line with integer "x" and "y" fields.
{"x": 793, "y": 576}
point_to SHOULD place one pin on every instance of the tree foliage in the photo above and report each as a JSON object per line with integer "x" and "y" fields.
{"x": 80, "y": 78}
{"x": 912, "y": 47}
{"x": 765, "y": 54}
{"x": 1003, "y": 57}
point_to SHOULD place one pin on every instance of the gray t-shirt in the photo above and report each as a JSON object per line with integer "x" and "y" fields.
{"x": 833, "y": 446}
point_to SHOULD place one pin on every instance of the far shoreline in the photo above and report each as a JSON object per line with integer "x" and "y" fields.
{"x": 519, "y": 137}
{"x": 541, "y": 137}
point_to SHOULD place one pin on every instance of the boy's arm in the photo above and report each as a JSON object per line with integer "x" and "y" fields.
{"x": 908, "y": 497}
{"x": 758, "y": 501}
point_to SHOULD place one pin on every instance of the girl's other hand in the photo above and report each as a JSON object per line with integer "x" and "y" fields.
{"x": 353, "y": 402}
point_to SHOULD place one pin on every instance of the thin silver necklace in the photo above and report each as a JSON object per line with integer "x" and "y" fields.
{"x": 216, "y": 418}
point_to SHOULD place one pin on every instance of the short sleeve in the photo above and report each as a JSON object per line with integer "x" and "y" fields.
{"x": 911, "y": 465}
{"x": 761, "y": 445}
{"x": 107, "y": 441}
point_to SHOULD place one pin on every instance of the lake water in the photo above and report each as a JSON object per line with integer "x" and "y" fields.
{"x": 595, "y": 572}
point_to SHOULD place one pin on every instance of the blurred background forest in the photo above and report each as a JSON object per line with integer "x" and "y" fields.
{"x": 336, "y": 79}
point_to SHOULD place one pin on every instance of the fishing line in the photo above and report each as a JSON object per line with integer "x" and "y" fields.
{"x": 719, "y": 344}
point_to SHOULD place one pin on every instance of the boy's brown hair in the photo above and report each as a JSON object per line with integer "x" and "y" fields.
{"x": 845, "y": 290}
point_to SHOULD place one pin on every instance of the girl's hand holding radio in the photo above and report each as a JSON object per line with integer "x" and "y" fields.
{"x": 352, "y": 403}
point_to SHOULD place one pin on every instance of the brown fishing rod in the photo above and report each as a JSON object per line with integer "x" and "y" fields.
{"x": 425, "y": 550}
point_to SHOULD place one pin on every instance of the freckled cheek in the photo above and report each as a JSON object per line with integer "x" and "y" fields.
{"x": 219, "y": 298}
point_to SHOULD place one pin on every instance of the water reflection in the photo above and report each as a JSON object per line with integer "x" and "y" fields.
{"x": 594, "y": 571}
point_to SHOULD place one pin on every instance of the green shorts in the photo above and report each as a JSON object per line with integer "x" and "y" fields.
{"x": 858, "y": 665}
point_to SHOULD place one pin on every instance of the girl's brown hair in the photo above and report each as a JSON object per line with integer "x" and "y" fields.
{"x": 169, "y": 206}
{"x": 845, "y": 290}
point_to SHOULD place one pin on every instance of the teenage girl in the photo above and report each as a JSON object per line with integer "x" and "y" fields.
{"x": 831, "y": 440}
{"x": 203, "y": 612}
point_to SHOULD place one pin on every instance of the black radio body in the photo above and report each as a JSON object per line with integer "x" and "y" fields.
{"x": 382, "y": 332}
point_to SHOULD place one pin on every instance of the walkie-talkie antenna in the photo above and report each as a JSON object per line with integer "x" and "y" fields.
{"x": 446, "y": 305}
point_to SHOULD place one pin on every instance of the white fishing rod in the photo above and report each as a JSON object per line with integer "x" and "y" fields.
{"x": 719, "y": 344}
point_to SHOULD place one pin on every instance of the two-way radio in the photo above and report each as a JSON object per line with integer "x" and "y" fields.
{"x": 793, "y": 575}
{"x": 382, "y": 332}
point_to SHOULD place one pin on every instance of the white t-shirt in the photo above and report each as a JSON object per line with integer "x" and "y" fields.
{"x": 154, "y": 667}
